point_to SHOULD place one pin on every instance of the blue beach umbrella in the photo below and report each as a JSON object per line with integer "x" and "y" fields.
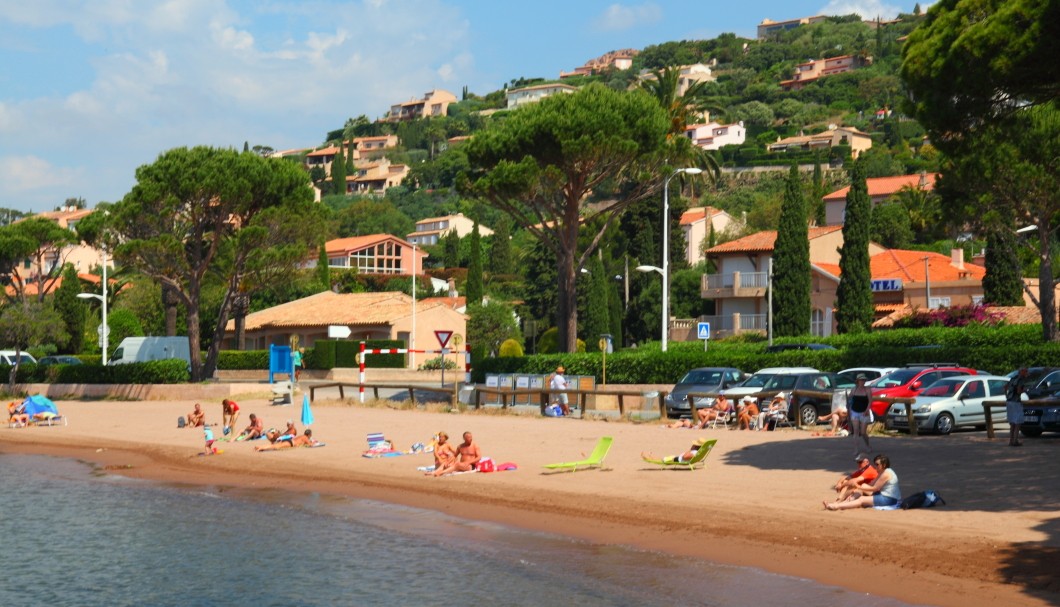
{"x": 307, "y": 413}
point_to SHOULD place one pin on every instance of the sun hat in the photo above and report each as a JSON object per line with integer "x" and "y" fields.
{"x": 861, "y": 376}
{"x": 699, "y": 442}
{"x": 748, "y": 399}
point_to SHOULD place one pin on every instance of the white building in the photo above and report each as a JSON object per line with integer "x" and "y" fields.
{"x": 713, "y": 136}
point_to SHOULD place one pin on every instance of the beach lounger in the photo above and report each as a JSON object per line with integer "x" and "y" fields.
{"x": 595, "y": 459}
{"x": 701, "y": 454}
{"x": 57, "y": 420}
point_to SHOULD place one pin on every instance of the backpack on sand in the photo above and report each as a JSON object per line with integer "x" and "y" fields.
{"x": 180, "y": 422}
{"x": 924, "y": 499}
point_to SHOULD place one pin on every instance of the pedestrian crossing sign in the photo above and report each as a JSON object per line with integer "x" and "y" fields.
{"x": 704, "y": 330}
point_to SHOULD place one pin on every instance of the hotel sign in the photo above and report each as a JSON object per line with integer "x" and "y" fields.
{"x": 886, "y": 285}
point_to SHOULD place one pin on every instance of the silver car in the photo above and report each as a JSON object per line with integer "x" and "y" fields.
{"x": 951, "y": 403}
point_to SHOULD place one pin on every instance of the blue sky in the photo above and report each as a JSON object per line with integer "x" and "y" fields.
{"x": 90, "y": 90}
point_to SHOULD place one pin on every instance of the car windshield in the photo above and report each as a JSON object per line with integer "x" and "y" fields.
{"x": 943, "y": 387}
{"x": 757, "y": 380}
{"x": 780, "y": 382}
{"x": 704, "y": 377}
{"x": 896, "y": 378}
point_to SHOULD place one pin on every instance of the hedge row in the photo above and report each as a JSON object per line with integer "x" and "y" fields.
{"x": 995, "y": 350}
{"x": 325, "y": 354}
{"x": 154, "y": 372}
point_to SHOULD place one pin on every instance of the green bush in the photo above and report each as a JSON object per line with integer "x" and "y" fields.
{"x": 242, "y": 359}
{"x": 510, "y": 347}
{"x": 169, "y": 371}
{"x": 433, "y": 364}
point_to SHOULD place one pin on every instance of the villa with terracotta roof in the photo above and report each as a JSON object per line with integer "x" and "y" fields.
{"x": 687, "y": 76}
{"x": 375, "y": 144}
{"x": 696, "y": 223}
{"x": 611, "y": 60}
{"x": 768, "y": 27}
{"x": 740, "y": 287}
{"x": 844, "y": 135}
{"x": 820, "y": 68}
{"x": 373, "y": 254}
{"x": 46, "y": 265}
{"x": 368, "y": 316}
{"x": 431, "y": 230}
{"x": 712, "y": 136}
{"x": 880, "y": 190}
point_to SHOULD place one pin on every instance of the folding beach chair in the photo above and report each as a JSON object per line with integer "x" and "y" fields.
{"x": 700, "y": 455}
{"x": 595, "y": 459}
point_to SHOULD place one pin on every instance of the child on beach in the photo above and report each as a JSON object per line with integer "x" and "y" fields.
{"x": 208, "y": 434}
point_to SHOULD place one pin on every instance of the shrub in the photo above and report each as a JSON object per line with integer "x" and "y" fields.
{"x": 510, "y": 347}
{"x": 438, "y": 362}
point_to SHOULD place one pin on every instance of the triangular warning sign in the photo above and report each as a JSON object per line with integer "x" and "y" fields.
{"x": 443, "y": 337}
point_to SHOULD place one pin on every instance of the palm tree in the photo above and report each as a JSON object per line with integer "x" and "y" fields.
{"x": 682, "y": 109}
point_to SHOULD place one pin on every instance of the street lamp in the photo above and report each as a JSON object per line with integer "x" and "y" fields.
{"x": 104, "y": 329}
{"x": 665, "y": 269}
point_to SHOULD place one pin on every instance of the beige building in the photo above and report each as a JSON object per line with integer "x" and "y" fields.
{"x": 373, "y": 254}
{"x": 768, "y": 27}
{"x": 825, "y": 140}
{"x": 40, "y": 268}
{"x": 881, "y": 189}
{"x": 696, "y": 223}
{"x": 820, "y": 68}
{"x": 611, "y": 60}
{"x": 431, "y": 230}
{"x": 687, "y": 76}
{"x": 433, "y": 103}
{"x": 367, "y": 315}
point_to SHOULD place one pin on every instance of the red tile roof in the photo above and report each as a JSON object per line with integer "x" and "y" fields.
{"x": 909, "y": 266}
{"x": 762, "y": 242}
{"x": 887, "y": 186}
{"x": 356, "y": 243}
{"x": 328, "y": 308}
{"x": 696, "y": 214}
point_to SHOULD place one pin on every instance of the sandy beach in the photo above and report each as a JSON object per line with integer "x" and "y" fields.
{"x": 756, "y": 503}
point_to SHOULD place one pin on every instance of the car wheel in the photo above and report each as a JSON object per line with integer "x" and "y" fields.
{"x": 808, "y": 414}
{"x": 1031, "y": 432}
{"x": 944, "y": 423}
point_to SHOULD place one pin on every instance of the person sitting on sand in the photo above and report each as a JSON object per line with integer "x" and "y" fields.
{"x": 16, "y": 415}
{"x": 883, "y": 492}
{"x": 700, "y": 421}
{"x": 256, "y": 429}
{"x": 305, "y": 440}
{"x": 197, "y": 417}
{"x": 676, "y": 459}
{"x": 466, "y": 460}
{"x": 229, "y": 414}
{"x": 290, "y": 432}
{"x": 747, "y": 412}
{"x": 848, "y": 485}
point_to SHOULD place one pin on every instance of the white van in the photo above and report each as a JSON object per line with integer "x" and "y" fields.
{"x": 7, "y": 357}
{"x": 144, "y": 349}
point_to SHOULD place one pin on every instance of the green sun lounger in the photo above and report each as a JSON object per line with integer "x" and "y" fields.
{"x": 595, "y": 459}
{"x": 701, "y": 454}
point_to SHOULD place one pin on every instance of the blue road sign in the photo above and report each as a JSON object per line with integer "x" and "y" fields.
{"x": 703, "y": 330}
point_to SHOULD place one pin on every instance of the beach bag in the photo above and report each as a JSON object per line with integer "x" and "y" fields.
{"x": 553, "y": 411}
{"x": 485, "y": 465}
{"x": 180, "y": 422}
{"x": 924, "y": 499}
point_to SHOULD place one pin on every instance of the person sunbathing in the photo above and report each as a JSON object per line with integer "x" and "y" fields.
{"x": 676, "y": 459}
{"x": 848, "y": 486}
{"x": 256, "y": 429}
{"x": 16, "y": 415}
{"x": 290, "y": 432}
{"x": 197, "y": 418}
{"x": 444, "y": 454}
{"x": 702, "y": 417}
{"x": 305, "y": 440}
{"x": 747, "y": 412}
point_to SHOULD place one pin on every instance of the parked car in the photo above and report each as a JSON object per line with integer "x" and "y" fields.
{"x": 704, "y": 379}
{"x": 1041, "y": 417}
{"x": 951, "y": 403}
{"x": 7, "y": 357}
{"x": 847, "y": 377}
{"x": 1041, "y": 382}
{"x": 807, "y": 407}
{"x": 59, "y": 359}
{"x": 786, "y": 347}
{"x": 909, "y": 381}
{"x": 755, "y": 383}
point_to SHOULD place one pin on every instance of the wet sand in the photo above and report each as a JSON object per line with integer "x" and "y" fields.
{"x": 756, "y": 503}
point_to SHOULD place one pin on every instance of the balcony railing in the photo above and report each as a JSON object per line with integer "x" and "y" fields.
{"x": 735, "y": 284}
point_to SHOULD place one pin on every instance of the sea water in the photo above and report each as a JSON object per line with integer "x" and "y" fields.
{"x": 74, "y": 535}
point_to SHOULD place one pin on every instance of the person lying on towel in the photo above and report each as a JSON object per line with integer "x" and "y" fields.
{"x": 305, "y": 440}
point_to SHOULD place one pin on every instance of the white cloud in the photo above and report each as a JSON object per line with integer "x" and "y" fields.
{"x": 868, "y": 9}
{"x": 618, "y": 17}
{"x": 26, "y": 173}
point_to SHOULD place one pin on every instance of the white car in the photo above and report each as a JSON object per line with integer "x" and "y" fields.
{"x": 755, "y": 383}
{"x": 848, "y": 376}
{"x": 7, "y": 357}
{"x": 952, "y": 402}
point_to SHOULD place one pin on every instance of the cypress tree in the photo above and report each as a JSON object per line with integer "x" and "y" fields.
{"x": 817, "y": 204}
{"x": 474, "y": 269}
{"x": 501, "y": 251}
{"x": 1002, "y": 284}
{"x": 70, "y": 309}
{"x": 791, "y": 263}
{"x": 854, "y": 304}
{"x": 338, "y": 173}
{"x": 323, "y": 269}
{"x": 451, "y": 249}
{"x": 349, "y": 160}
{"x": 596, "y": 319}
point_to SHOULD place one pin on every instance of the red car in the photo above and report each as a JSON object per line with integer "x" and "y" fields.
{"x": 908, "y": 382}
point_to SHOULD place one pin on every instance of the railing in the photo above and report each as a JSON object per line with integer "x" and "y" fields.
{"x": 752, "y": 322}
{"x": 737, "y": 280}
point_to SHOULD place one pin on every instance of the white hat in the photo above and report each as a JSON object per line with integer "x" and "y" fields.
{"x": 748, "y": 399}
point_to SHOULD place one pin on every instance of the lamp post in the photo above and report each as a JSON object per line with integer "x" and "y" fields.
{"x": 665, "y": 269}
{"x": 105, "y": 330}
{"x": 412, "y": 334}
{"x": 927, "y": 281}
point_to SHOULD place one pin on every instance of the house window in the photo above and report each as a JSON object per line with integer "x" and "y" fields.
{"x": 817, "y": 320}
{"x": 938, "y": 302}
